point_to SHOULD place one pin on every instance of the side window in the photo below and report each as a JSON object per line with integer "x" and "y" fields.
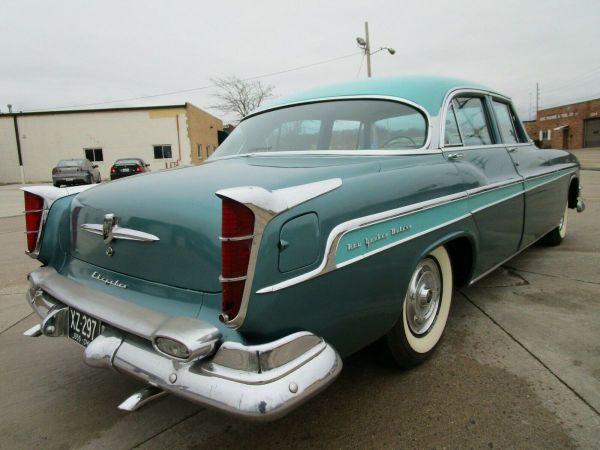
{"x": 452, "y": 133}
{"x": 472, "y": 122}
{"x": 345, "y": 135}
{"x": 506, "y": 125}
{"x": 406, "y": 131}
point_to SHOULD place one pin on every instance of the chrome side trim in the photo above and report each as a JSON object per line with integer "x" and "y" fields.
{"x": 266, "y": 205}
{"x": 118, "y": 232}
{"x": 222, "y": 279}
{"x": 234, "y": 239}
{"x": 328, "y": 263}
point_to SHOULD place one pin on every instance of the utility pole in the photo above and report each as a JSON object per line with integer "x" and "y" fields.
{"x": 530, "y": 113}
{"x": 368, "y": 49}
{"x": 537, "y": 99}
{"x": 365, "y": 45}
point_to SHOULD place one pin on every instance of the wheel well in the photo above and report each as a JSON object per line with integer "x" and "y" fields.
{"x": 460, "y": 251}
{"x": 573, "y": 192}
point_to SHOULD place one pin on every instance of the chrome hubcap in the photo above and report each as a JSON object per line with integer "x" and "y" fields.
{"x": 423, "y": 296}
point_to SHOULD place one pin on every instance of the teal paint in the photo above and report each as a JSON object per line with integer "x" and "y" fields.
{"x": 370, "y": 239}
{"x": 426, "y": 91}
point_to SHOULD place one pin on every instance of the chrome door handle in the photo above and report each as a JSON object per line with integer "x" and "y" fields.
{"x": 455, "y": 156}
{"x": 512, "y": 149}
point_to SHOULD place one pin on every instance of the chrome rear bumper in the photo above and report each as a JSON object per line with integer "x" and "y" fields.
{"x": 261, "y": 382}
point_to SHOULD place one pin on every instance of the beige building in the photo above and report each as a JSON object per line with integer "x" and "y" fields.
{"x": 164, "y": 136}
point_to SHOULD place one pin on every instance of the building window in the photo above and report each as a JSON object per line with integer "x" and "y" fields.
{"x": 545, "y": 135}
{"x": 207, "y": 151}
{"x": 200, "y": 151}
{"x": 93, "y": 154}
{"x": 162, "y": 152}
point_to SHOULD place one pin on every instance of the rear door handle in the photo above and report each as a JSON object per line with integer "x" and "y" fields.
{"x": 455, "y": 156}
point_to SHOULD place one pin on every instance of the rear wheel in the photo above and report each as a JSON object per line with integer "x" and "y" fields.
{"x": 556, "y": 236}
{"x": 424, "y": 311}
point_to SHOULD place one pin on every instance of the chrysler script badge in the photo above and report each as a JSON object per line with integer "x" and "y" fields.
{"x": 107, "y": 227}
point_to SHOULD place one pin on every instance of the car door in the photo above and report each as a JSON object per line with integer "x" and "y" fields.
{"x": 546, "y": 189}
{"x": 494, "y": 188}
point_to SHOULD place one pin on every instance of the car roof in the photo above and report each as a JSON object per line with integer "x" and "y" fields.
{"x": 426, "y": 91}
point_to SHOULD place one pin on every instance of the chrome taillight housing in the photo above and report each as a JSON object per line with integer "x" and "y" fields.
{"x": 237, "y": 228}
{"x": 34, "y": 209}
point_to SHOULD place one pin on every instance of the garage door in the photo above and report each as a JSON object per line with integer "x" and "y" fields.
{"x": 592, "y": 133}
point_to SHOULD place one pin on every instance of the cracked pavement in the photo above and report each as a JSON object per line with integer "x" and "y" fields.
{"x": 519, "y": 366}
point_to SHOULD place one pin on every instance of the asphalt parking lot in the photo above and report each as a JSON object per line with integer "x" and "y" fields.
{"x": 518, "y": 367}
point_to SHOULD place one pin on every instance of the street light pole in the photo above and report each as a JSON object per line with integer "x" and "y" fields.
{"x": 365, "y": 45}
{"x": 368, "y": 49}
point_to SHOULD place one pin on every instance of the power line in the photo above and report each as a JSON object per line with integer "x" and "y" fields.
{"x": 200, "y": 88}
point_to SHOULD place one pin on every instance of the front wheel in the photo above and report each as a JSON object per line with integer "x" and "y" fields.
{"x": 556, "y": 236}
{"x": 424, "y": 311}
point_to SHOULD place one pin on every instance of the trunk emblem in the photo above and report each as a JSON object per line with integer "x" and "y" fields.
{"x": 107, "y": 227}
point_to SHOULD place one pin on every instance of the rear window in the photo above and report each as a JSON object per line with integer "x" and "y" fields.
{"x": 128, "y": 161}
{"x": 71, "y": 163}
{"x": 332, "y": 125}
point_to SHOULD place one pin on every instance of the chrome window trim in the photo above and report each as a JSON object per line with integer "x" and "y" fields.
{"x": 424, "y": 149}
{"x": 450, "y": 95}
{"x": 328, "y": 262}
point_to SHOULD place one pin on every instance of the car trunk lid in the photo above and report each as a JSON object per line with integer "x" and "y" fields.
{"x": 181, "y": 209}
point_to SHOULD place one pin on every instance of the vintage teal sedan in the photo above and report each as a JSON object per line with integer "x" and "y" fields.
{"x": 325, "y": 222}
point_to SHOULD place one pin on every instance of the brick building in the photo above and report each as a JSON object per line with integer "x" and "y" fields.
{"x": 572, "y": 126}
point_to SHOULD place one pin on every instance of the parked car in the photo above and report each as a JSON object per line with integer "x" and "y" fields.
{"x": 128, "y": 166}
{"x": 325, "y": 222}
{"x": 75, "y": 171}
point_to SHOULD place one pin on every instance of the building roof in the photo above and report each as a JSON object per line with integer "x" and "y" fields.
{"x": 95, "y": 110}
{"x": 426, "y": 91}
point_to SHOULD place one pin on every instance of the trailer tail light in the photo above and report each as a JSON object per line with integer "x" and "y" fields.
{"x": 237, "y": 229}
{"x": 34, "y": 207}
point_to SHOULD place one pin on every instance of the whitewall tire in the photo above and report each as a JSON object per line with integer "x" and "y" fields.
{"x": 425, "y": 310}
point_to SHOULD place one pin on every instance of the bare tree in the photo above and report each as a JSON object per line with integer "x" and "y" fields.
{"x": 240, "y": 97}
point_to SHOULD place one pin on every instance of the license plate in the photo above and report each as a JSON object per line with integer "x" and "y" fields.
{"x": 125, "y": 170}
{"x": 83, "y": 329}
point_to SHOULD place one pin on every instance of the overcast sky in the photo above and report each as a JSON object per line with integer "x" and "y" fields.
{"x": 72, "y": 52}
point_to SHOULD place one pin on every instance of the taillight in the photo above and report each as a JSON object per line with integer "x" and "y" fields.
{"x": 236, "y": 235}
{"x": 34, "y": 206}
{"x": 138, "y": 168}
{"x": 113, "y": 169}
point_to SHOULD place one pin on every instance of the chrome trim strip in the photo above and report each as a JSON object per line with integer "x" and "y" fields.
{"x": 424, "y": 149}
{"x": 494, "y": 186}
{"x": 118, "y": 232}
{"x": 266, "y": 205}
{"x": 328, "y": 263}
{"x": 222, "y": 279}
{"x": 401, "y": 241}
{"x": 236, "y": 239}
{"x": 31, "y": 211}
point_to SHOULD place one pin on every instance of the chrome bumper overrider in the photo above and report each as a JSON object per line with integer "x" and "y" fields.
{"x": 261, "y": 382}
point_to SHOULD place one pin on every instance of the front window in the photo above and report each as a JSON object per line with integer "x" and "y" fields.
{"x": 332, "y": 125}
